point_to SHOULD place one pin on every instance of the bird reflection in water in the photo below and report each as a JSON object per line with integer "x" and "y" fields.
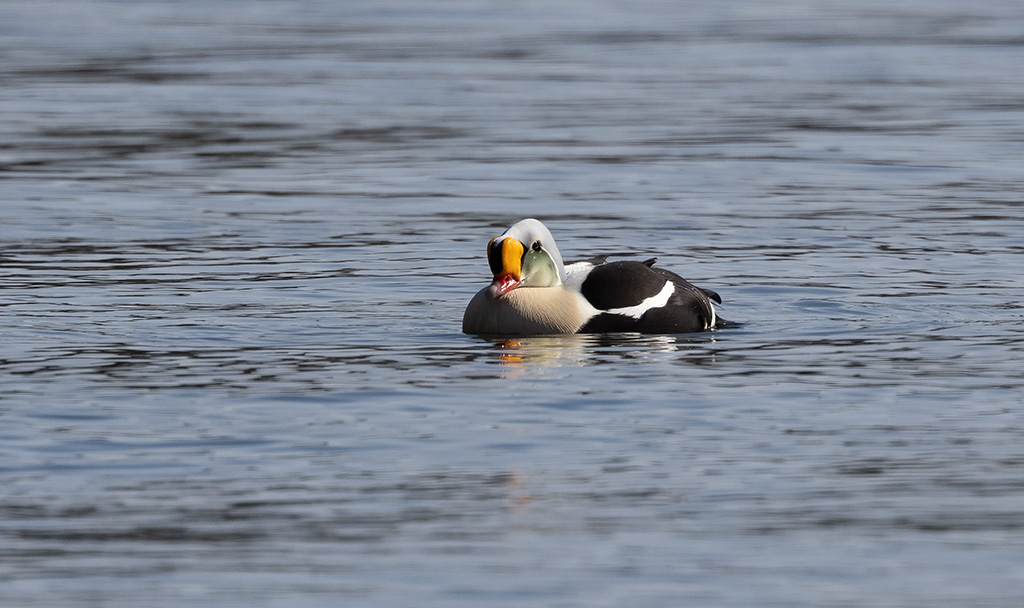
{"x": 519, "y": 497}
{"x": 580, "y": 350}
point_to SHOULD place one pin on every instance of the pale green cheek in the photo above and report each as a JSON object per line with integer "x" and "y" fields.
{"x": 539, "y": 270}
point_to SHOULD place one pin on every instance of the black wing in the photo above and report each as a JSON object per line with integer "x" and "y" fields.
{"x": 620, "y": 285}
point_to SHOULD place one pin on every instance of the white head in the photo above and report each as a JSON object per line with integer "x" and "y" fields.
{"x": 525, "y": 255}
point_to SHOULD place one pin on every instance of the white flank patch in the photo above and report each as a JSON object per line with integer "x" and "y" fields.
{"x": 656, "y": 301}
{"x": 576, "y": 273}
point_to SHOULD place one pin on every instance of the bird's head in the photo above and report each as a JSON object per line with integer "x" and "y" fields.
{"x": 525, "y": 255}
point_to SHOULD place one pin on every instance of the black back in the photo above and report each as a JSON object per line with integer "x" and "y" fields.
{"x": 621, "y": 284}
{"x": 625, "y": 284}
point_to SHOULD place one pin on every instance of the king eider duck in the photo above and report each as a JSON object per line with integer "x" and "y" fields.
{"x": 534, "y": 293}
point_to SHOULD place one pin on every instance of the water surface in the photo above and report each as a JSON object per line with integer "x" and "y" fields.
{"x": 238, "y": 239}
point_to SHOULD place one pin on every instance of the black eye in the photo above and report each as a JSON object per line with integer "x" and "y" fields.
{"x": 536, "y": 246}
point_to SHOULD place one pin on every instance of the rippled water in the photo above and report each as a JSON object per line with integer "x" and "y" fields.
{"x": 238, "y": 238}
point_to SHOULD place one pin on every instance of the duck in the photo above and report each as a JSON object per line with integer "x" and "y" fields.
{"x": 533, "y": 293}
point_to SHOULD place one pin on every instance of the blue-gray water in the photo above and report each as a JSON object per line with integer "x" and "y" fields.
{"x": 237, "y": 239}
